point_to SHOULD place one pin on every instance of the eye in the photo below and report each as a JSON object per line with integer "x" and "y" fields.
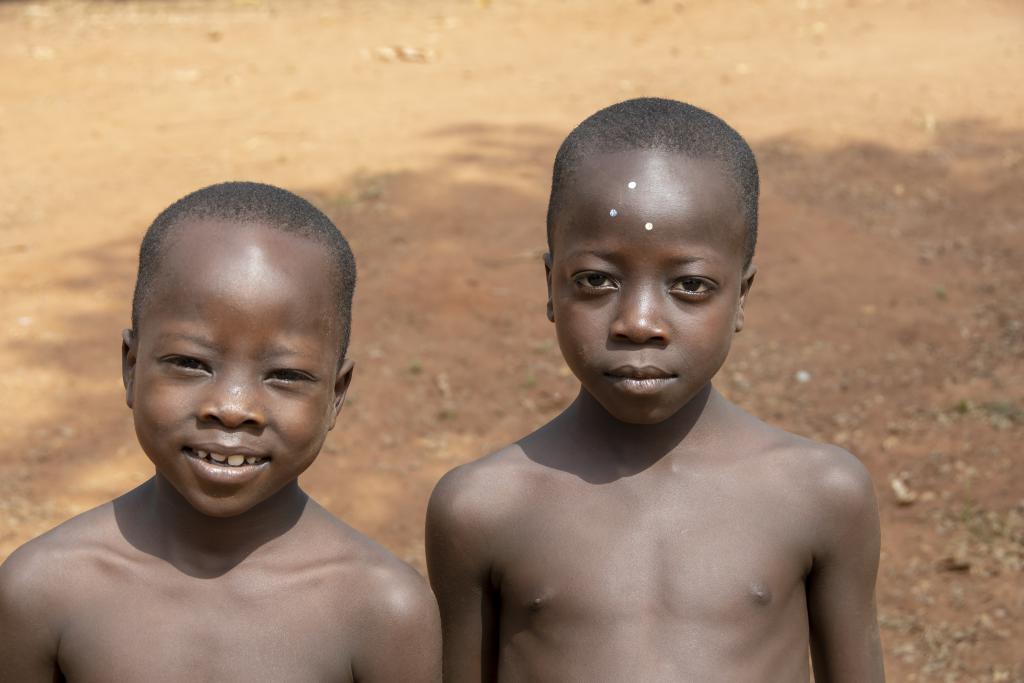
{"x": 592, "y": 280}
{"x": 692, "y": 287}
{"x": 290, "y": 375}
{"x": 187, "y": 363}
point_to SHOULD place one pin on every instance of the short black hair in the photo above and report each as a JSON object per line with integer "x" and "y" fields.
{"x": 659, "y": 124}
{"x": 241, "y": 203}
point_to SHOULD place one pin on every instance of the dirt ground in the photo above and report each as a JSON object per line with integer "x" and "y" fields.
{"x": 887, "y": 316}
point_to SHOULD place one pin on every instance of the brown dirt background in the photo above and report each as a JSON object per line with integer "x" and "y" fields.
{"x": 891, "y": 142}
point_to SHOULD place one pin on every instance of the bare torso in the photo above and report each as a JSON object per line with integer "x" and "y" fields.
{"x": 313, "y": 604}
{"x": 143, "y": 620}
{"x": 694, "y": 568}
{"x": 677, "y": 579}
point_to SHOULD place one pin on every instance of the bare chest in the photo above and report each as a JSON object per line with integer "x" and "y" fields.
{"x": 204, "y": 630}
{"x": 697, "y": 559}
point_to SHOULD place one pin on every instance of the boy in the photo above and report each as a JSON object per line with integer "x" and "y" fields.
{"x": 654, "y": 531}
{"x": 220, "y": 568}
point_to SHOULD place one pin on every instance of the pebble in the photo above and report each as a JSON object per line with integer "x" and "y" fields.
{"x": 904, "y": 496}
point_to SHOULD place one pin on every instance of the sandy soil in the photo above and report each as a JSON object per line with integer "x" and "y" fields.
{"x": 891, "y": 139}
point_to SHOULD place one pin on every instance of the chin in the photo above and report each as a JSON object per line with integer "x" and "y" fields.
{"x": 219, "y": 506}
{"x": 222, "y": 508}
{"x": 643, "y": 419}
{"x": 638, "y": 414}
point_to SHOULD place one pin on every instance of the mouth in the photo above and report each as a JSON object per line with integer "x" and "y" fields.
{"x": 640, "y": 381}
{"x": 639, "y": 374}
{"x": 224, "y": 458}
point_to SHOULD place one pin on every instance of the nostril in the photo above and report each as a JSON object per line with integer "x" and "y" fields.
{"x": 639, "y": 332}
{"x": 231, "y": 415}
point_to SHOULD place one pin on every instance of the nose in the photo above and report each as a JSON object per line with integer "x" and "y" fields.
{"x": 639, "y": 318}
{"x": 233, "y": 404}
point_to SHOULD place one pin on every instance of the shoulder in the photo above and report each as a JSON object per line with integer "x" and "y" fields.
{"x": 392, "y": 604}
{"x": 471, "y": 511}
{"x": 42, "y": 574}
{"x": 27, "y": 576}
{"x": 403, "y": 601}
{"x": 395, "y": 605}
{"x": 830, "y": 485}
{"x": 844, "y": 497}
{"x": 797, "y": 466}
{"x": 481, "y": 493}
{"x": 386, "y": 588}
{"x": 66, "y": 547}
{"x": 833, "y": 477}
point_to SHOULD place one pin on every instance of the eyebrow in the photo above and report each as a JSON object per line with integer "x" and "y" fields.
{"x": 612, "y": 257}
{"x": 270, "y": 353}
{"x": 278, "y": 351}
{"x": 198, "y": 341}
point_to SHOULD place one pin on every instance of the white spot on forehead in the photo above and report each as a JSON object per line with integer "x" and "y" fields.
{"x": 613, "y": 213}
{"x": 648, "y": 226}
{"x": 631, "y": 184}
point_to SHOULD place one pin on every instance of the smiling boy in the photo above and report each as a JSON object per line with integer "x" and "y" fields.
{"x": 220, "y": 568}
{"x": 654, "y": 531}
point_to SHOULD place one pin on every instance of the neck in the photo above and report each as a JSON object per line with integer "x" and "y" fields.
{"x": 165, "y": 525}
{"x": 627, "y": 448}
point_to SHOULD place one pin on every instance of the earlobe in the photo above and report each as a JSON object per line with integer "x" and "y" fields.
{"x": 129, "y": 356}
{"x": 547, "y": 275}
{"x": 341, "y": 383}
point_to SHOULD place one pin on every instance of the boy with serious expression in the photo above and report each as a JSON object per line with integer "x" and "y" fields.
{"x": 654, "y": 531}
{"x": 220, "y": 568}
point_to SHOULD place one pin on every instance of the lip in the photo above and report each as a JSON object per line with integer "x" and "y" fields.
{"x": 634, "y": 381}
{"x": 222, "y": 475}
{"x": 226, "y": 449}
{"x": 645, "y": 372}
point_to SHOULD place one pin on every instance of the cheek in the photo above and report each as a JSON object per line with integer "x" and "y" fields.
{"x": 158, "y": 403}
{"x": 303, "y": 422}
{"x": 710, "y": 337}
{"x": 582, "y": 331}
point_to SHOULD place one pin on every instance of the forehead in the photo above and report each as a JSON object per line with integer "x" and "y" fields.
{"x": 655, "y": 199}
{"x": 210, "y": 268}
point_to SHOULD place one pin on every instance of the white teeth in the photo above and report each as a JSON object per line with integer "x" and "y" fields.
{"x": 234, "y": 460}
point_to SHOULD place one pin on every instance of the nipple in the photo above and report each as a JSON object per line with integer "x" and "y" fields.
{"x": 761, "y": 594}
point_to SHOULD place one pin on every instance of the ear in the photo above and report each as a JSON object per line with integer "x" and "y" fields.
{"x": 129, "y": 355}
{"x": 341, "y": 383}
{"x": 748, "y": 282}
{"x": 547, "y": 274}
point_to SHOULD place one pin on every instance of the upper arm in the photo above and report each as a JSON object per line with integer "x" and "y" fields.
{"x": 402, "y": 637}
{"x": 841, "y": 586}
{"x": 459, "y": 565}
{"x": 28, "y": 639}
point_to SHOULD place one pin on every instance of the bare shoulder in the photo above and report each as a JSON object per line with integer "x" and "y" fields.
{"x": 380, "y": 601}
{"x": 829, "y": 474}
{"x": 397, "y": 595}
{"x": 380, "y": 586}
{"x": 482, "y": 494}
{"x": 47, "y": 573}
{"x": 42, "y": 586}
{"x": 72, "y": 543}
{"x": 830, "y": 484}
